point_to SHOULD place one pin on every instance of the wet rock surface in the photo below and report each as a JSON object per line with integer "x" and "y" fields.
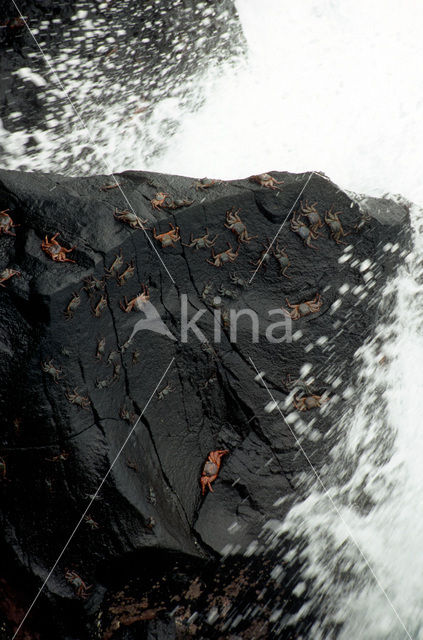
{"x": 74, "y": 384}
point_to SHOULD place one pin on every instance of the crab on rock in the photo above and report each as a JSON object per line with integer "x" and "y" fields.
{"x": 129, "y": 217}
{"x": 75, "y": 398}
{"x": 137, "y": 303}
{"x": 99, "y": 307}
{"x": 6, "y": 274}
{"x": 81, "y": 587}
{"x": 127, "y": 274}
{"x": 282, "y": 257}
{"x": 305, "y": 403}
{"x": 203, "y": 242}
{"x": 159, "y": 200}
{"x": 305, "y": 233}
{"x": 211, "y": 469}
{"x": 6, "y": 223}
{"x": 304, "y": 308}
{"x": 74, "y": 303}
{"x": 219, "y": 259}
{"x": 115, "y": 266}
{"x": 169, "y": 238}
{"x": 335, "y": 226}
{"x": 205, "y": 183}
{"x": 54, "y": 372}
{"x": 54, "y": 250}
{"x": 311, "y": 213}
{"x": 235, "y": 224}
{"x": 266, "y": 180}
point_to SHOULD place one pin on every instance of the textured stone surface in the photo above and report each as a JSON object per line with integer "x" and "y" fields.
{"x": 152, "y": 498}
{"x": 91, "y": 73}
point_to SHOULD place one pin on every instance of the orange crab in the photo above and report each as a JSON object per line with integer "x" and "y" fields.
{"x": 306, "y": 403}
{"x": 236, "y": 225}
{"x": 127, "y": 274}
{"x": 74, "y": 303}
{"x": 99, "y": 307}
{"x": 266, "y": 180}
{"x": 169, "y": 238}
{"x": 304, "y": 308}
{"x": 107, "y": 187}
{"x": 219, "y": 259}
{"x": 6, "y": 223}
{"x": 335, "y": 226}
{"x": 137, "y": 303}
{"x": 205, "y": 183}
{"x": 54, "y": 250}
{"x": 81, "y": 587}
{"x": 159, "y": 200}
{"x": 115, "y": 266}
{"x": 211, "y": 469}
{"x": 8, "y": 273}
{"x": 129, "y": 217}
{"x": 311, "y": 213}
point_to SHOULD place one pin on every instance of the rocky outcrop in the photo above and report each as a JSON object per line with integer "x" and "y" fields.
{"x": 186, "y": 397}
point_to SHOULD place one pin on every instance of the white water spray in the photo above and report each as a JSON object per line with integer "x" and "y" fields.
{"x": 362, "y": 560}
{"x": 330, "y": 86}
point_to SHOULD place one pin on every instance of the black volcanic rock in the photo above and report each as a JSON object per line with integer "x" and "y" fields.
{"x": 56, "y": 453}
{"x": 88, "y": 70}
